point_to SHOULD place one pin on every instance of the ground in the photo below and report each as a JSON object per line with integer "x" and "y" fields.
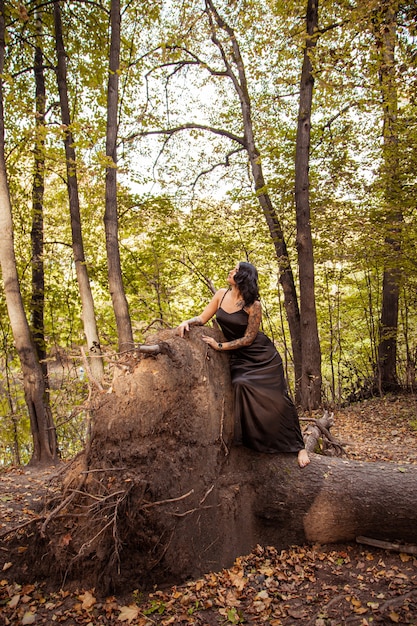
{"x": 311, "y": 585}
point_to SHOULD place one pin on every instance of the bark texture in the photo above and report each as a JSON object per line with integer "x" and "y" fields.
{"x": 41, "y": 422}
{"x": 37, "y": 238}
{"x": 120, "y": 305}
{"x": 88, "y": 313}
{"x": 385, "y": 29}
{"x": 310, "y": 344}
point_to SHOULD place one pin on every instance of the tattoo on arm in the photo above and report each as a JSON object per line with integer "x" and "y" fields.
{"x": 254, "y": 321}
{"x": 195, "y": 321}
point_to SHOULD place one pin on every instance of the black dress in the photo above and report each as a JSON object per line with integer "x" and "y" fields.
{"x": 265, "y": 416}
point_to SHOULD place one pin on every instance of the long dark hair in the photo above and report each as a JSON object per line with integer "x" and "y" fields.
{"x": 246, "y": 279}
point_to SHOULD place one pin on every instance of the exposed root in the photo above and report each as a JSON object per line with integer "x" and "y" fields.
{"x": 317, "y": 436}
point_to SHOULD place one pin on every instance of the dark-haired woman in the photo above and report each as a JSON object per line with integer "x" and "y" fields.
{"x": 266, "y": 414}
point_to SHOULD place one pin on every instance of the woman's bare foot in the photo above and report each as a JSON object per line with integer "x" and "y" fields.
{"x": 303, "y": 458}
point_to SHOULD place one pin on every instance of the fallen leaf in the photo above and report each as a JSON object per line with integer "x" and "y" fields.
{"x": 88, "y": 600}
{"x": 29, "y": 618}
{"x": 14, "y": 601}
{"x": 373, "y": 605}
{"x": 6, "y": 566}
{"x": 262, "y": 595}
{"x": 394, "y": 617}
{"x": 360, "y": 610}
{"x": 237, "y": 580}
{"x": 128, "y": 613}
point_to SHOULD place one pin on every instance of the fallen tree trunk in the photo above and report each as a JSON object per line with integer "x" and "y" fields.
{"x": 162, "y": 494}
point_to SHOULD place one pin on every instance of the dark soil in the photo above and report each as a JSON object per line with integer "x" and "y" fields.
{"x": 308, "y": 585}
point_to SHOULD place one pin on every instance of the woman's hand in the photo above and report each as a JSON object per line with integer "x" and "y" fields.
{"x": 185, "y": 326}
{"x": 211, "y": 342}
{"x": 182, "y": 328}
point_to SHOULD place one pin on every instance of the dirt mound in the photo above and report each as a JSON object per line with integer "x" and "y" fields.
{"x": 136, "y": 502}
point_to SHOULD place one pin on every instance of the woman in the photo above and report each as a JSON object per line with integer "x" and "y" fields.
{"x": 268, "y": 417}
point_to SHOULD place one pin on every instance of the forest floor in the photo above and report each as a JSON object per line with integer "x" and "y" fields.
{"x": 310, "y": 585}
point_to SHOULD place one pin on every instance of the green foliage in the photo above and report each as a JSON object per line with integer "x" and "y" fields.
{"x": 233, "y": 616}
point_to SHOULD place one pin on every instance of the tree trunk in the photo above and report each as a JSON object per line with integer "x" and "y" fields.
{"x": 38, "y": 277}
{"x": 162, "y": 494}
{"x": 286, "y": 276}
{"x": 310, "y": 344}
{"x": 120, "y": 305}
{"x": 42, "y": 426}
{"x": 385, "y": 33}
{"x": 89, "y": 319}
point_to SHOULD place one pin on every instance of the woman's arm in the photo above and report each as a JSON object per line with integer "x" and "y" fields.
{"x": 205, "y": 316}
{"x": 254, "y": 322}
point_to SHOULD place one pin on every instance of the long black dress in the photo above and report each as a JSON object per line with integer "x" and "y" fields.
{"x": 265, "y": 416}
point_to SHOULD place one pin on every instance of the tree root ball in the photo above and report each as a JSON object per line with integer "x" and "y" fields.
{"x": 140, "y": 501}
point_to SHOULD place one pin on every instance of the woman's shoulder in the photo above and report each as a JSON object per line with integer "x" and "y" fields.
{"x": 255, "y": 307}
{"x": 221, "y": 292}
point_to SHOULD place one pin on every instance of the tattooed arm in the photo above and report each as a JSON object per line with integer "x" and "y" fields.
{"x": 254, "y": 322}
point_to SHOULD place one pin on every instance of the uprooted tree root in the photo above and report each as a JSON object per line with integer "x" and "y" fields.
{"x": 104, "y": 529}
{"x": 107, "y": 525}
{"x": 101, "y": 522}
{"x": 101, "y": 529}
{"x": 160, "y": 494}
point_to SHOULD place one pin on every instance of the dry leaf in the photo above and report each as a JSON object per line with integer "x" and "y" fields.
{"x": 237, "y": 580}
{"x": 360, "y": 610}
{"x": 29, "y": 618}
{"x": 88, "y": 600}
{"x": 128, "y": 613}
{"x": 373, "y": 605}
{"x": 14, "y": 601}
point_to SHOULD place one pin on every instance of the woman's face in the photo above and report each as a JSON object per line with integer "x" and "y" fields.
{"x": 231, "y": 275}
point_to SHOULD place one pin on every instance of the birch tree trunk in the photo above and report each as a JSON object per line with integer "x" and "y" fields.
{"x": 88, "y": 314}
{"x": 42, "y": 426}
{"x": 120, "y": 305}
{"x": 310, "y": 344}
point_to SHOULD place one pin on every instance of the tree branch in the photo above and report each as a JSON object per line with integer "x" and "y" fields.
{"x": 190, "y": 126}
{"x": 225, "y": 163}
